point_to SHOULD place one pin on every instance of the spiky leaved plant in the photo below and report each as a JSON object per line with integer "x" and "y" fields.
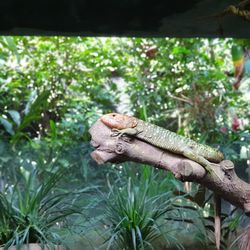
{"x": 243, "y": 240}
{"x": 35, "y": 213}
{"x": 135, "y": 217}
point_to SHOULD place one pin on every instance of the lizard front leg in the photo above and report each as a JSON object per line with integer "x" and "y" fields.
{"x": 189, "y": 153}
{"x": 125, "y": 131}
{"x": 121, "y": 132}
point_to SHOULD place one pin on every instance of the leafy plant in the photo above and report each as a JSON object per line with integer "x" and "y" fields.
{"x": 53, "y": 88}
{"x": 17, "y": 123}
{"x": 35, "y": 213}
{"x": 135, "y": 217}
{"x": 243, "y": 240}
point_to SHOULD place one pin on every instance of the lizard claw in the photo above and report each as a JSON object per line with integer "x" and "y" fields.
{"x": 213, "y": 171}
{"x": 119, "y": 134}
{"x": 115, "y": 132}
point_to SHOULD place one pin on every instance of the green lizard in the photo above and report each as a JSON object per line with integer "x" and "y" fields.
{"x": 162, "y": 138}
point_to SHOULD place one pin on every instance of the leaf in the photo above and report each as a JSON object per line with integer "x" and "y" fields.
{"x": 12, "y": 45}
{"x": 32, "y": 98}
{"x": 7, "y": 125}
{"x": 34, "y": 108}
{"x": 15, "y": 116}
{"x": 5, "y": 159}
{"x": 138, "y": 231}
{"x": 133, "y": 238}
{"x": 52, "y": 129}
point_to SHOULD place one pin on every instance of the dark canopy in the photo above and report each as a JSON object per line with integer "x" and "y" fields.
{"x": 179, "y": 18}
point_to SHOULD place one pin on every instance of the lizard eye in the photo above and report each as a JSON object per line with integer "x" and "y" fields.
{"x": 113, "y": 115}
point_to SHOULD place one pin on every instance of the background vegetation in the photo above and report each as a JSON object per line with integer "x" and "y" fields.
{"x": 52, "y": 89}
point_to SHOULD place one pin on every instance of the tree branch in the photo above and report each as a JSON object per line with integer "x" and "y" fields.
{"x": 225, "y": 183}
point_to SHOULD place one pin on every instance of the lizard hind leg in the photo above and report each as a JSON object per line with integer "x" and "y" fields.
{"x": 190, "y": 154}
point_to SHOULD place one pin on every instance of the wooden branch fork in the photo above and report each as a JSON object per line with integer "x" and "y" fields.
{"x": 225, "y": 183}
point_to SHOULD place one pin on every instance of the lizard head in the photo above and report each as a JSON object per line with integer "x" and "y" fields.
{"x": 119, "y": 121}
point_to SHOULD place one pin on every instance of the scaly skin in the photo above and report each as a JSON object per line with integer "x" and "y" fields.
{"x": 162, "y": 138}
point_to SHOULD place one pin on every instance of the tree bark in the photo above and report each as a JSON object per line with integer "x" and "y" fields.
{"x": 224, "y": 183}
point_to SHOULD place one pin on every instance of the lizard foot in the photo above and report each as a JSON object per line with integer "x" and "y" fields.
{"x": 120, "y": 135}
{"x": 115, "y": 132}
{"x": 211, "y": 168}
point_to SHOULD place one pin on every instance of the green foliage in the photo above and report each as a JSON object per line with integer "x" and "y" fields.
{"x": 52, "y": 89}
{"x": 16, "y": 125}
{"x": 230, "y": 222}
{"x": 35, "y": 213}
{"x": 182, "y": 81}
{"x": 145, "y": 213}
{"x": 135, "y": 217}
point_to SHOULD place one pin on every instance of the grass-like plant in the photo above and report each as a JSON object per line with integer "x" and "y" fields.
{"x": 135, "y": 216}
{"x": 35, "y": 213}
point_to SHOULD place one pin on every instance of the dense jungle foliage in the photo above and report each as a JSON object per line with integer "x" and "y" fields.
{"x": 52, "y": 89}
